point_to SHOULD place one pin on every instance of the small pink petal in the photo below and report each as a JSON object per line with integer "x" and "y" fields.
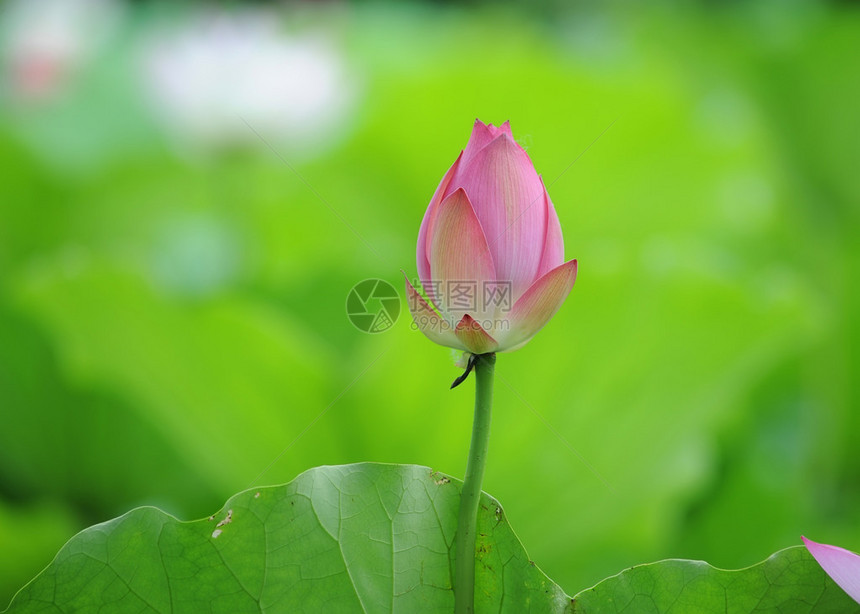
{"x": 553, "y": 249}
{"x": 428, "y": 321}
{"x": 459, "y": 254}
{"x": 474, "y": 337}
{"x": 482, "y": 135}
{"x": 507, "y": 196}
{"x": 423, "y": 255}
{"x": 840, "y": 564}
{"x": 505, "y": 128}
{"x": 539, "y": 303}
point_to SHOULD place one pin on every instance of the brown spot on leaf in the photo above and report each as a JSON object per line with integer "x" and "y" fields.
{"x": 439, "y": 478}
{"x": 226, "y": 520}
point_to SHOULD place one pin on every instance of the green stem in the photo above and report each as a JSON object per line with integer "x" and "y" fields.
{"x": 470, "y": 496}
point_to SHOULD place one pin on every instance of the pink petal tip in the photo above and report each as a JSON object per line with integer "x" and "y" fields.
{"x": 840, "y": 564}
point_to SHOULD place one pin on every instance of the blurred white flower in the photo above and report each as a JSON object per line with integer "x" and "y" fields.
{"x": 225, "y": 72}
{"x": 45, "y": 42}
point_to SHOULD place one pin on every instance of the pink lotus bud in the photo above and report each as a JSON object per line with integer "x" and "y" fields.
{"x": 840, "y": 564}
{"x": 490, "y": 250}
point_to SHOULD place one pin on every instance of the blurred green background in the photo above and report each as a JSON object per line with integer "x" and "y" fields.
{"x": 188, "y": 195}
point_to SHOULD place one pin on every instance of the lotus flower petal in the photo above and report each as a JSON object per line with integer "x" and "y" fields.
{"x": 428, "y": 321}
{"x": 429, "y": 218}
{"x": 482, "y": 135}
{"x": 553, "y": 249}
{"x": 540, "y": 302}
{"x": 474, "y": 337}
{"x": 507, "y": 195}
{"x": 840, "y": 564}
{"x": 459, "y": 255}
